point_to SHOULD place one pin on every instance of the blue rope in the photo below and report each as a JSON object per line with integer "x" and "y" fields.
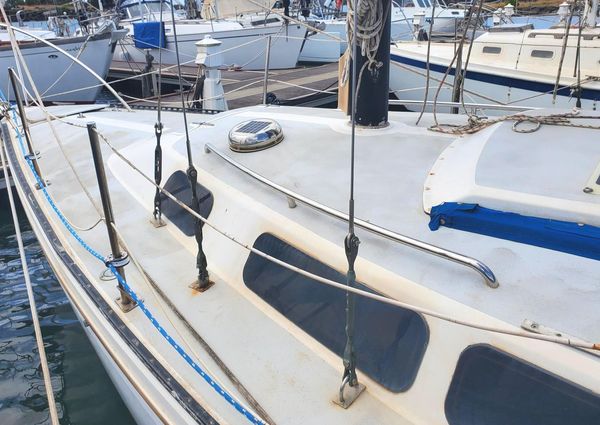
{"x": 228, "y": 397}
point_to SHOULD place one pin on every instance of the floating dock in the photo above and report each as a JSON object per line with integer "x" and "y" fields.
{"x": 306, "y": 85}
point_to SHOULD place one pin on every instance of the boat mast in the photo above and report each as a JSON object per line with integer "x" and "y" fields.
{"x": 373, "y": 64}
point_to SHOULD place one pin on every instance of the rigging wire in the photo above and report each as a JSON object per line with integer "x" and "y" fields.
{"x": 201, "y": 262}
{"x": 563, "y": 51}
{"x": 351, "y": 241}
{"x": 464, "y": 68}
{"x": 454, "y": 58}
{"x": 427, "y": 69}
{"x": 158, "y": 126}
{"x": 577, "y": 68}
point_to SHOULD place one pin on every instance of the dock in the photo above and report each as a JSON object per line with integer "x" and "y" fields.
{"x": 306, "y": 85}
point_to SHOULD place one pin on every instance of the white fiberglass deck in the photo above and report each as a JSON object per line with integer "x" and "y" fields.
{"x": 292, "y": 376}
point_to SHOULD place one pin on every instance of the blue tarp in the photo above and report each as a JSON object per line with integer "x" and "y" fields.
{"x": 574, "y": 238}
{"x": 149, "y": 35}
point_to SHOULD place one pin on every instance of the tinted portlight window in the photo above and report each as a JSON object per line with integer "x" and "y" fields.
{"x": 545, "y": 54}
{"x": 389, "y": 341}
{"x": 492, "y": 50}
{"x": 492, "y": 387}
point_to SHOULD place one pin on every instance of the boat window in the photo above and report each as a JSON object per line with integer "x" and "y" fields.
{"x": 492, "y": 50}
{"x": 264, "y": 21}
{"x": 147, "y": 8}
{"x": 492, "y": 387}
{"x": 546, "y": 54}
{"x": 178, "y": 185}
{"x": 390, "y": 341}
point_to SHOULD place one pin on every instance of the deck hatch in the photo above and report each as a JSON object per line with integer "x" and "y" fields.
{"x": 492, "y": 387}
{"x": 390, "y": 341}
{"x": 178, "y": 185}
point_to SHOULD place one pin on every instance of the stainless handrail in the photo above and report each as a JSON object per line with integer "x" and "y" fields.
{"x": 478, "y": 266}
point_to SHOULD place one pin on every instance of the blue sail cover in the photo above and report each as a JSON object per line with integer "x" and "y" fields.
{"x": 149, "y": 35}
{"x": 564, "y": 236}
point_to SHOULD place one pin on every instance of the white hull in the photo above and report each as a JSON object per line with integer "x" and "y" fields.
{"x": 244, "y": 47}
{"x": 56, "y": 77}
{"x": 514, "y": 66}
{"x": 408, "y": 83}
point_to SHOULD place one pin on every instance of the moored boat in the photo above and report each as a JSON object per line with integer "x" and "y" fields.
{"x": 56, "y": 76}
{"x": 244, "y": 40}
{"x": 510, "y": 64}
{"x": 470, "y": 299}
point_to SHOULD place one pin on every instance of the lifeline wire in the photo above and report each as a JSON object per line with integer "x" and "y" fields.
{"x": 39, "y": 339}
{"x": 251, "y": 416}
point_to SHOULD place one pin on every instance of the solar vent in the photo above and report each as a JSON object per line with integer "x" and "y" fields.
{"x": 255, "y": 135}
{"x": 253, "y": 126}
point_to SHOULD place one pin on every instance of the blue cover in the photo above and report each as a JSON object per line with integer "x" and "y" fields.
{"x": 149, "y": 35}
{"x": 564, "y": 236}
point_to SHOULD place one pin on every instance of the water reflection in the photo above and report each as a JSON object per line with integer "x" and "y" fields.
{"x": 83, "y": 391}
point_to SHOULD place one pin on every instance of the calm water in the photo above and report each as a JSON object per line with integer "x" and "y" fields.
{"x": 83, "y": 391}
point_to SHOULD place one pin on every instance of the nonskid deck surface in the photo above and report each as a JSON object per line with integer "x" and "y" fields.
{"x": 392, "y": 168}
{"x": 392, "y": 171}
{"x": 286, "y": 376}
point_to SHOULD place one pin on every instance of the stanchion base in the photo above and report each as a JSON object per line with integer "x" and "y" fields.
{"x": 157, "y": 223}
{"x": 125, "y": 308}
{"x": 350, "y": 395}
{"x": 196, "y": 286}
{"x": 46, "y": 184}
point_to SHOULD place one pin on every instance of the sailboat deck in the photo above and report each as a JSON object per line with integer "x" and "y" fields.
{"x": 293, "y": 374}
{"x": 392, "y": 167}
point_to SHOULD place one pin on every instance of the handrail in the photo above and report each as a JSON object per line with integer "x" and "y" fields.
{"x": 478, "y": 266}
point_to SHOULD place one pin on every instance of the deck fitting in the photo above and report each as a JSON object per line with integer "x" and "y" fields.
{"x": 195, "y": 285}
{"x": 158, "y": 222}
{"x": 349, "y": 396}
{"x": 125, "y": 308}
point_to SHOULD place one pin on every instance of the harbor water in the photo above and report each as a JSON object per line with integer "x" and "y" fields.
{"x": 84, "y": 393}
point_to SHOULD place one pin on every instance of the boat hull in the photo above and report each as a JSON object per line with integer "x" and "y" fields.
{"x": 244, "y": 48}
{"x": 56, "y": 77}
{"x": 408, "y": 81}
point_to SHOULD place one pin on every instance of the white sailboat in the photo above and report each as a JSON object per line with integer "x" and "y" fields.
{"x": 56, "y": 76}
{"x": 258, "y": 304}
{"x": 512, "y": 64}
{"x": 244, "y": 39}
